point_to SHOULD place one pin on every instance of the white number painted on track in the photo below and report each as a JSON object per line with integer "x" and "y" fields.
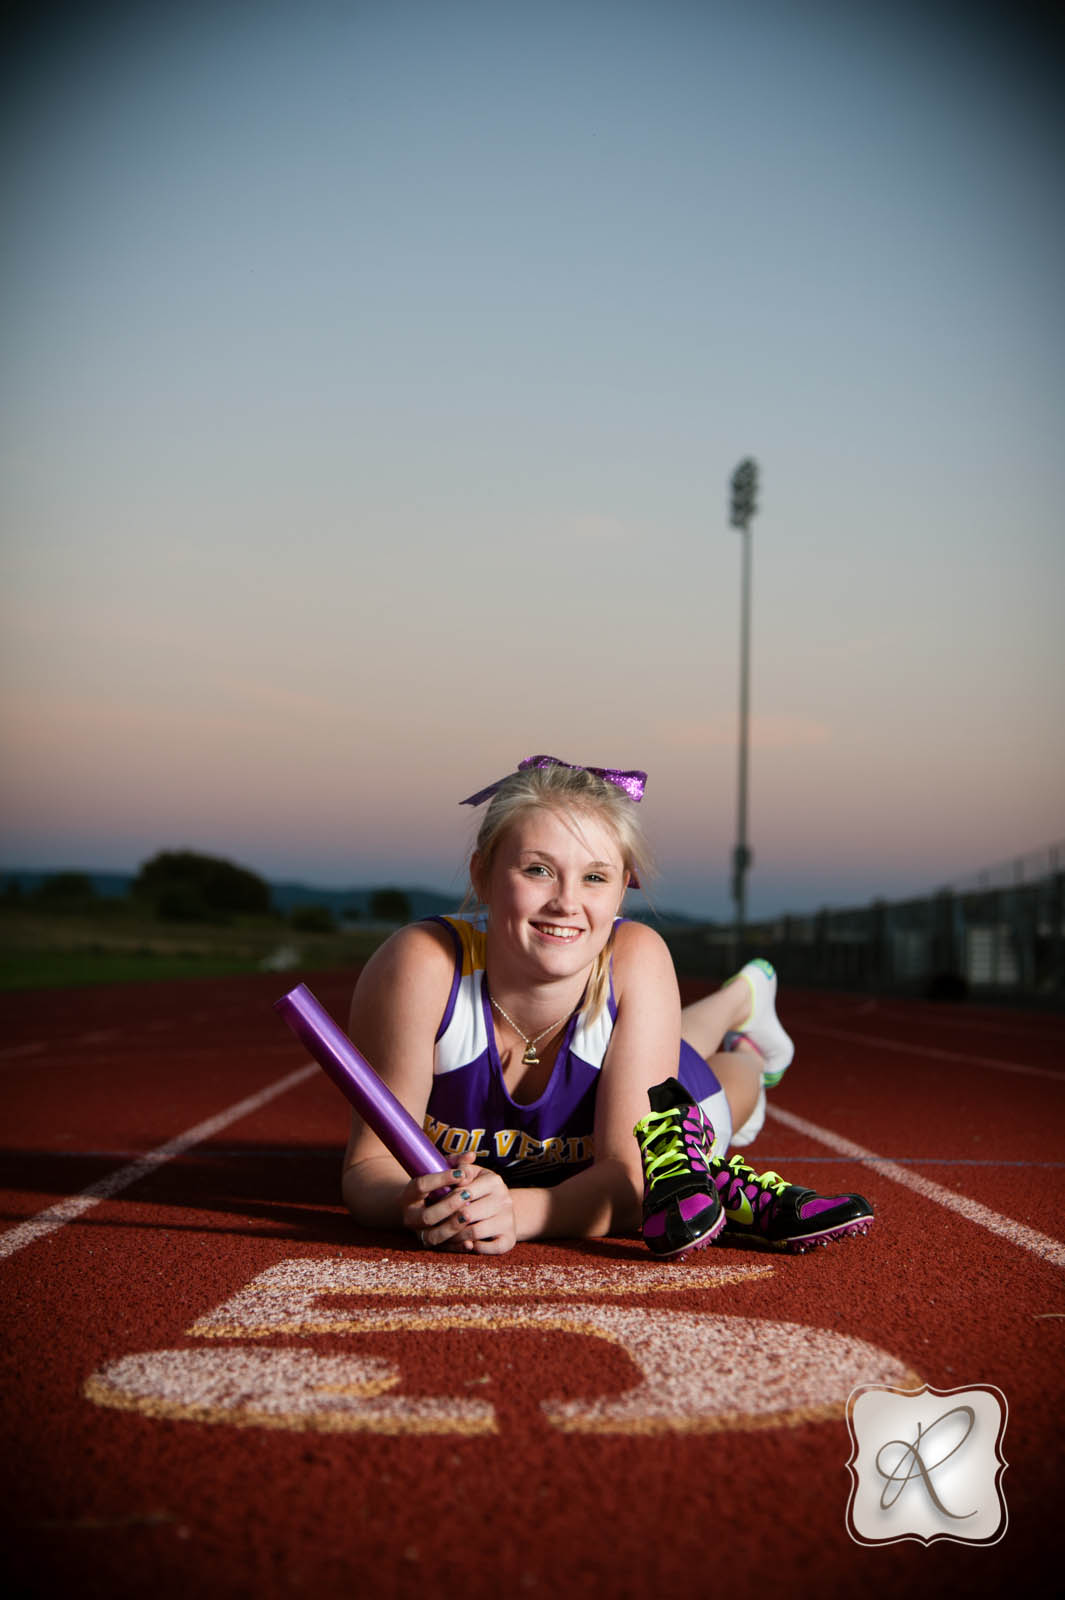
{"x": 279, "y": 1389}
{"x": 301, "y": 1296}
{"x": 697, "y": 1372}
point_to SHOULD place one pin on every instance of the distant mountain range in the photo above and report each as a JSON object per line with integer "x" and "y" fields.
{"x": 342, "y": 902}
{"x": 353, "y": 904}
{"x": 112, "y": 885}
{"x": 345, "y": 904}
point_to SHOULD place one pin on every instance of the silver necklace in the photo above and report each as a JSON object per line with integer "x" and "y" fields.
{"x": 530, "y": 1058}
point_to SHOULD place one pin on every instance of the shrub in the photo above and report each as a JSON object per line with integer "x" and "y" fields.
{"x": 183, "y": 886}
{"x": 65, "y": 891}
{"x": 312, "y": 919}
{"x": 390, "y": 905}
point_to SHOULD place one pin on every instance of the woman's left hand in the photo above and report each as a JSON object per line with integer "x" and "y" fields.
{"x": 482, "y": 1225}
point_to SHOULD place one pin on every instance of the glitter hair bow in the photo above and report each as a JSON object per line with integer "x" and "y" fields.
{"x": 631, "y": 782}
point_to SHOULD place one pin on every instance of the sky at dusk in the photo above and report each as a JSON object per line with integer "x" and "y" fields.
{"x": 371, "y": 377}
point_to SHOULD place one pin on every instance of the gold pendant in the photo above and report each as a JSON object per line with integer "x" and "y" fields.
{"x": 530, "y": 1058}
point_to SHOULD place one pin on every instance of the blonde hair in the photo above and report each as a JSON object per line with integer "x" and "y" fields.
{"x": 559, "y": 788}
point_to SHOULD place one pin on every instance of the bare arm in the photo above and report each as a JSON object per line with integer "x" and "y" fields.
{"x": 395, "y": 1012}
{"x": 398, "y": 1003}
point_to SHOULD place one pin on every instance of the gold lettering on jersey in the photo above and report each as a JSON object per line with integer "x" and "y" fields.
{"x": 510, "y": 1144}
{"x": 435, "y": 1130}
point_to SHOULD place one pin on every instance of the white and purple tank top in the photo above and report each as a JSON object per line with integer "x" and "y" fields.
{"x": 470, "y": 1111}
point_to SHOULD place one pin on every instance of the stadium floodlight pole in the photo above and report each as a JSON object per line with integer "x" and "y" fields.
{"x": 744, "y": 486}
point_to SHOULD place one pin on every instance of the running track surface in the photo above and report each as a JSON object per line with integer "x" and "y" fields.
{"x": 213, "y": 1383}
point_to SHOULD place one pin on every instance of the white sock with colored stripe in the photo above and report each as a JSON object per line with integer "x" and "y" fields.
{"x": 762, "y": 1026}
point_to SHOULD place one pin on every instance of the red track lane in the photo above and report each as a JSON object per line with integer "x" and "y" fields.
{"x": 128, "y": 1501}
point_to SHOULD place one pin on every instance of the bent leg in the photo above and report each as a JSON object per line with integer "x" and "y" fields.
{"x": 746, "y": 1005}
{"x": 705, "y": 1022}
{"x": 739, "y": 1073}
{"x": 704, "y": 1025}
{"x": 711, "y": 1026}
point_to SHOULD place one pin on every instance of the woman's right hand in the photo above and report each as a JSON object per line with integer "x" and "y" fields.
{"x": 476, "y": 1217}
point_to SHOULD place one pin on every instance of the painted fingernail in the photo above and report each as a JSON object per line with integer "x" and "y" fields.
{"x": 463, "y": 1218}
{"x": 466, "y": 1195}
{"x": 457, "y": 1173}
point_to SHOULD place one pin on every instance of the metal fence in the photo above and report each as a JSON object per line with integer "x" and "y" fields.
{"x": 999, "y": 934}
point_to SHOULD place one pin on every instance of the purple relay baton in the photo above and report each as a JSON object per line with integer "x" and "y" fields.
{"x": 359, "y": 1083}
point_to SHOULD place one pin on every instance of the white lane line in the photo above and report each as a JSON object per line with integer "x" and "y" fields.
{"x": 35, "y": 1048}
{"x": 929, "y": 1050}
{"x": 269, "y": 1152}
{"x": 65, "y": 1211}
{"x": 1018, "y": 1233}
{"x": 65, "y": 1053}
{"x": 931, "y": 1015}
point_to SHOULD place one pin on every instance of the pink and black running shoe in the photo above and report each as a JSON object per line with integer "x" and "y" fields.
{"x": 682, "y": 1210}
{"x": 769, "y": 1210}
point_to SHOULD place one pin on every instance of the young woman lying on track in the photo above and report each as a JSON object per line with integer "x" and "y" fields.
{"x": 531, "y": 1038}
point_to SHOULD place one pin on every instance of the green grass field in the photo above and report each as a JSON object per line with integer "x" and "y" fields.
{"x": 116, "y": 944}
{"x": 39, "y": 951}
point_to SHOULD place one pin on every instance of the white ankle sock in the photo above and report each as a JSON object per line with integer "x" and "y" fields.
{"x": 762, "y": 1026}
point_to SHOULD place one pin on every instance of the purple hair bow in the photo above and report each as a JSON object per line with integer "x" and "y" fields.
{"x": 631, "y": 782}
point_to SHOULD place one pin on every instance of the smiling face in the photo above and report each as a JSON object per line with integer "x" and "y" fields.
{"x": 552, "y": 890}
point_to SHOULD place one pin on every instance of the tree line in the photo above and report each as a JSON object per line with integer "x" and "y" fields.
{"x": 185, "y": 886}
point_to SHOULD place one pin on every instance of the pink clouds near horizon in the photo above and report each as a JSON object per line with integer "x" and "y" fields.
{"x": 371, "y": 392}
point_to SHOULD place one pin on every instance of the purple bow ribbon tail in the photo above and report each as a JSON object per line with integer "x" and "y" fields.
{"x": 632, "y": 782}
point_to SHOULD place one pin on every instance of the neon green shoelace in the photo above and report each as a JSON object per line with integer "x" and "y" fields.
{"x": 671, "y": 1161}
{"x": 765, "y": 1180}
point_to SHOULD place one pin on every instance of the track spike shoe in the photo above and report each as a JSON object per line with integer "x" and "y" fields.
{"x": 681, "y": 1207}
{"x": 766, "y": 1208}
